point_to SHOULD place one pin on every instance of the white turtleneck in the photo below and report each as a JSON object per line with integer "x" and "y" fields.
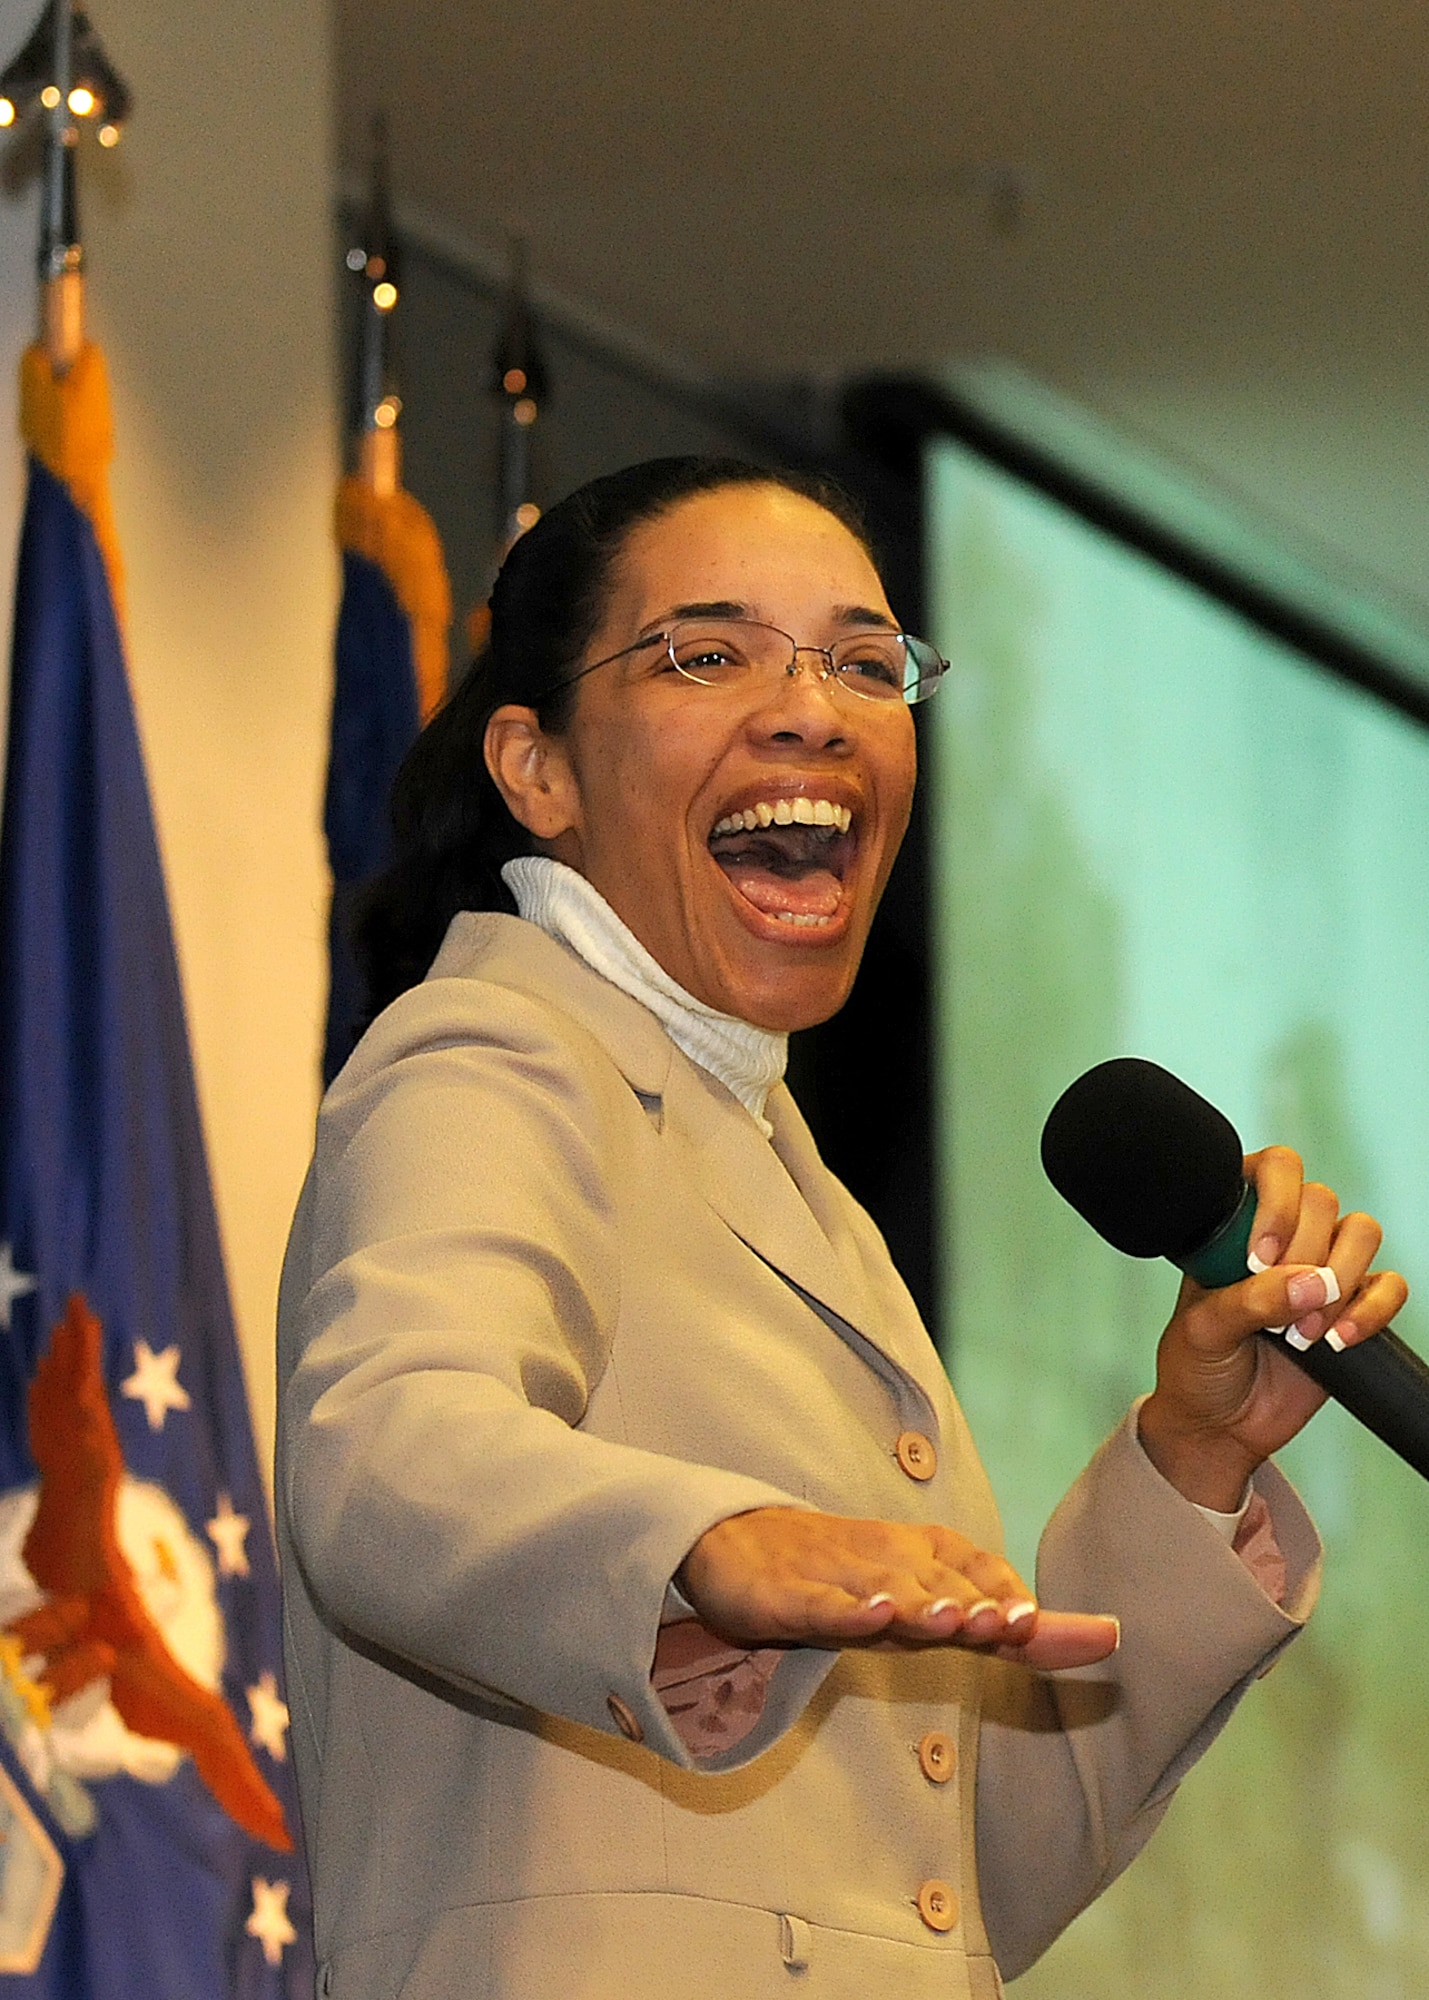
{"x": 748, "y": 1061}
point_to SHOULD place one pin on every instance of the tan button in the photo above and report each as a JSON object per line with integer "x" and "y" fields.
{"x": 916, "y": 1455}
{"x": 625, "y": 1718}
{"x": 937, "y": 1756}
{"x": 937, "y": 1906}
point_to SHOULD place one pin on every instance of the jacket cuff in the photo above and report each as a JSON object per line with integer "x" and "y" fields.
{"x": 1197, "y": 1628}
{"x": 635, "y": 1709}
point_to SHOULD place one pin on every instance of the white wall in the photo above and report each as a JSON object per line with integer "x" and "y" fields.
{"x": 209, "y": 253}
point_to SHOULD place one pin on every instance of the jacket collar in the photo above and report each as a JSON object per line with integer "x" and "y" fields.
{"x": 510, "y": 952}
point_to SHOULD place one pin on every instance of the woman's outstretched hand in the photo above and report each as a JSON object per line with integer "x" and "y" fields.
{"x": 780, "y": 1576}
{"x": 1224, "y": 1399}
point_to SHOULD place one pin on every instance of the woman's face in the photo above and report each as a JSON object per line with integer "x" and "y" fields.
{"x": 767, "y": 924}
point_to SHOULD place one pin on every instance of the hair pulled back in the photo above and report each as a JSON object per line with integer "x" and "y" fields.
{"x": 452, "y": 833}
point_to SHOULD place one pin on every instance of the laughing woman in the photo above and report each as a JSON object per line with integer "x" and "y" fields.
{"x": 647, "y": 1631}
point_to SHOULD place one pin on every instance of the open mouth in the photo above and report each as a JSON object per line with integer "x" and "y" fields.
{"x": 789, "y": 858}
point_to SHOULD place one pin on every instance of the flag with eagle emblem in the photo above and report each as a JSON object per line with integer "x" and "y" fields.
{"x": 147, "y": 1813}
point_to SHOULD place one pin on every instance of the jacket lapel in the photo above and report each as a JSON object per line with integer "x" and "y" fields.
{"x": 891, "y": 1319}
{"x": 751, "y": 1189}
{"x": 779, "y": 1198}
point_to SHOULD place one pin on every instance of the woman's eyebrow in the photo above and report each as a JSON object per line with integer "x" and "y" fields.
{"x": 862, "y": 615}
{"x": 858, "y": 616}
{"x": 718, "y": 608}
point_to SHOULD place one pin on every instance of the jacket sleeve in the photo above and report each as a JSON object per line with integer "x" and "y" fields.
{"x": 450, "y": 1297}
{"x": 1075, "y": 1770}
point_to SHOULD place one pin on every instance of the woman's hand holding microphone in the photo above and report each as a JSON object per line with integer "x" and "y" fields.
{"x": 1225, "y": 1399}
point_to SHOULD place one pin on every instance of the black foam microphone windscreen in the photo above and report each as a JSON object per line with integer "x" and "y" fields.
{"x": 1143, "y": 1158}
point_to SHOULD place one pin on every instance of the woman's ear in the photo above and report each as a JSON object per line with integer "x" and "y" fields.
{"x": 532, "y": 772}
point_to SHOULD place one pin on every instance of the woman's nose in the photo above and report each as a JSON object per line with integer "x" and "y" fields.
{"x": 804, "y": 705}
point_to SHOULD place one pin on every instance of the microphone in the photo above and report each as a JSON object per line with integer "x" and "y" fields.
{"x": 1159, "y": 1172}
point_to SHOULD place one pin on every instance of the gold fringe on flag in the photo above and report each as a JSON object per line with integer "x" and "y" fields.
{"x": 66, "y": 421}
{"x": 396, "y": 532}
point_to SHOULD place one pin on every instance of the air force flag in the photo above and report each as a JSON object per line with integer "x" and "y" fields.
{"x": 146, "y": 1800}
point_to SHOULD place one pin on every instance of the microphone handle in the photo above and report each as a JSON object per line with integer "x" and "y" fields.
{"x": 1384, "y": 1384}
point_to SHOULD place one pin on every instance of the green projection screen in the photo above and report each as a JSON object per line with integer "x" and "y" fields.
{"x": 1157, "y": 831}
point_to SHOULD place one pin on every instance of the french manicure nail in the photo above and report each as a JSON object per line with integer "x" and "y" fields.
{"x": 1305, "y": 1291}
{"x": 1309, "y": 1289}
{"x": 1296, "y": 1339}
{"x": 1025, "y": 1607}
{"x": 1265, "y": 1252}
{"x": 1340, "y": 1336}
{"x": 940, "y": 1605}
{"x": 982, "y": 1604}
{"x": 1312, "y": 1326}
{"x": 877, "y": 1603}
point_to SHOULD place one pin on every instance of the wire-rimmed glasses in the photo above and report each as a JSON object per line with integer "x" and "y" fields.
{"x": 877, "y": 665}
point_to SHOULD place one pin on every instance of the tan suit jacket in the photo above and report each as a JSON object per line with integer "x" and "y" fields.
{"x": 553, "y": 1307}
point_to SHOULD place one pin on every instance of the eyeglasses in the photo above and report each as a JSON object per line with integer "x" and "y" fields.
{"x": 738, "y": 652}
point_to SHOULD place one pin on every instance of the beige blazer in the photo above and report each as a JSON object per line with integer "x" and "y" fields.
{"x": 552, "y": 1307}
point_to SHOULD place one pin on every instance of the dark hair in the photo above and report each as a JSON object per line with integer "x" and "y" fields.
{"x": 452, "y": 831}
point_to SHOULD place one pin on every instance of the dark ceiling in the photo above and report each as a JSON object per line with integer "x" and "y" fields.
{"x": 1192, "y": 206}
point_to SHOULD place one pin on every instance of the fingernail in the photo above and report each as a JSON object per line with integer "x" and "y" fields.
{"x": 1309, "y": 1289}
{"x": 940, "y": 1605}
{"x": 975, "y": 1610}
{"x": 877, "y": 1603}
{"x": 1342, "y": 1335}
{"x": 1312, "y": 1326}
{"x": 1264, "y": 1253}
{"x": 1117, "y": 1622}
{"x": 1294, "y": 1338}
{"x": 1025, "y": 1607}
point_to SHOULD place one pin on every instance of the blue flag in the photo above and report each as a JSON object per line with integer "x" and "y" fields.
{"x": 374, "y": 721}
{"x": 391, "y": 665}
{"x": 146, "y": 1798}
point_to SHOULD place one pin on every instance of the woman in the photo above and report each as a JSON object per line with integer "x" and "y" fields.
{"x": 647, "y": 1634}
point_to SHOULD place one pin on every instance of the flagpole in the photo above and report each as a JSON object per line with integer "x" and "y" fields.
{"x": 61, "y": 253}
{"x": 391, "y": 659}
{"x": 519, "y": 379}
{"x": 63, "y": 72}
{"x": 379, "y": 445}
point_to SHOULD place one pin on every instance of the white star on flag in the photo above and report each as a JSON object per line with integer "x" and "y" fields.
{"x": 269, "y": 1921}
{"x": 228, "y": 1532}
{"x": 155, "y": 1383}
{"x": 13, "y": 1284}
{"x": 270, "y": 1717}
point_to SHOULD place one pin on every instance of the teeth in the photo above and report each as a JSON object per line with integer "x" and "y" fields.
{"x": 787, "y": 812}
{"x": 808, "y": 922}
